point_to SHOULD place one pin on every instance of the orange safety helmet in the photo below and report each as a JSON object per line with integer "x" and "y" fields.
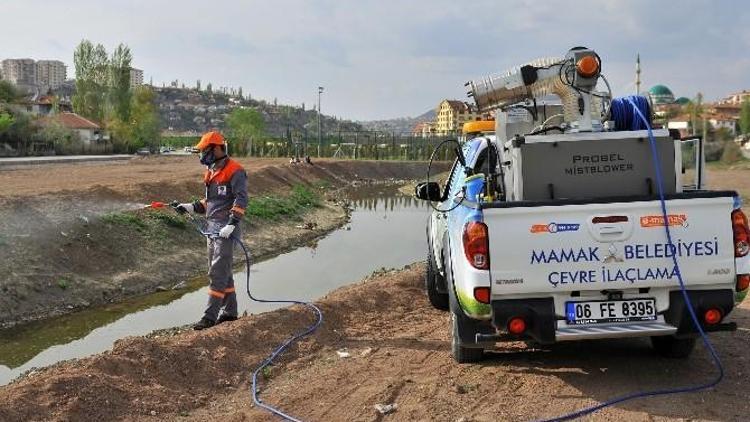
{"x": 210, "y": 138}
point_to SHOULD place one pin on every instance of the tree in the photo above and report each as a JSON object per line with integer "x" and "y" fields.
{"x": 745, "y": 117}
{"x": 8, "y": 92}
{"x": 144, "y": 117}
{"x": 245, "y": 126}
{"x": 91, "y": 66}
{"x": 6, "y": 120}
{"x": 119, "y": 82}
{"x": 19, "y": 132}
{"x": 143, "y": 127}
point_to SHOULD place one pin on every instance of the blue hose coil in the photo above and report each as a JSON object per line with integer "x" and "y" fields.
{"x": 633, "y": 113}
{"x": 626, "y": 113}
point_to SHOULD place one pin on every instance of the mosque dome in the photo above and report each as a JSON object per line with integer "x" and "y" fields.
{"x": 660, "y": 94}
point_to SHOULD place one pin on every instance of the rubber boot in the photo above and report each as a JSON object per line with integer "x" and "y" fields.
{"x": 203, "y": 324}
{"x": 225, "y": 318}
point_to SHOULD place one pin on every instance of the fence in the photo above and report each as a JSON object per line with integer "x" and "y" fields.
{"x": 364, "y": 145}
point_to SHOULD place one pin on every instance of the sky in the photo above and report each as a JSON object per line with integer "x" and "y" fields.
{"x": 386, "y": 59}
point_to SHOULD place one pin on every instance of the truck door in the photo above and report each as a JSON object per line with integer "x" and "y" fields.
{"x": 439, "y": 223}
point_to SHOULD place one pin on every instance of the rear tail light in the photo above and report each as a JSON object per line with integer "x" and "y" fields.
{"x": 743, "y": 282}
{"x": 712, "y": 316}
{"x": 476, "y": 245}
{"x": 741, "y": 233}
{"x": 482, "y": 294}
{"x": 516, "y": 325}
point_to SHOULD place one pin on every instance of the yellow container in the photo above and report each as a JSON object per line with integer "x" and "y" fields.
{"x": 479, "y": 126}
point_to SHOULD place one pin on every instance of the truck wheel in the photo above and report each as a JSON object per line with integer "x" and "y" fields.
{"x": 462, "y": 354}
{"x": 672, "y": 347}
{"x": 437, "y": 300}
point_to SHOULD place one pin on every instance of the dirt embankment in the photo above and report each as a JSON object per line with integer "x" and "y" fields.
{"x": 61, "y": 252}
{"x": 399, "y": 353}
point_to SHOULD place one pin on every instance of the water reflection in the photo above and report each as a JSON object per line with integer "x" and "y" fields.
{"x": 388, "y": 203}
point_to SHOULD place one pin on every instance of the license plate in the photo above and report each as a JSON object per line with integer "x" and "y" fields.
{"x": 604, "y": 311}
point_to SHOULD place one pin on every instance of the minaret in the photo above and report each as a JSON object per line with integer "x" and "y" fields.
{"x": 638, "y": 75}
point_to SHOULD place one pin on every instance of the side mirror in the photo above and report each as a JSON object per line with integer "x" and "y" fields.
{"x": 428, "y": 191}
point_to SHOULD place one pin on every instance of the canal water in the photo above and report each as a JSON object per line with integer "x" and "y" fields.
{"x": 387, "y": 230}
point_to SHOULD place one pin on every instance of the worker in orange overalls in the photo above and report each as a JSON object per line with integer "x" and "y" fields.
{"x": 224, "y": 207}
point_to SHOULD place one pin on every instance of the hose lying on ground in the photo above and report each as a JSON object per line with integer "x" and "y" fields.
{"x": 280, "y": 349}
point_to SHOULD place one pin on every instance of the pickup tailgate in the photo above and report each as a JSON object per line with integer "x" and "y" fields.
{"x": 609, "y": 246}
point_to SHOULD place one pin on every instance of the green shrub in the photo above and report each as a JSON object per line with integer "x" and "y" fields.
{"x": 125, "y": 219}
{"x": 170, "y": 219}
{"x": 274, "y": 208}
{"x": 152, "y": 223}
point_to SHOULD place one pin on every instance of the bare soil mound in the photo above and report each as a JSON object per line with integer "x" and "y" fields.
{"x": 399, "y": 352}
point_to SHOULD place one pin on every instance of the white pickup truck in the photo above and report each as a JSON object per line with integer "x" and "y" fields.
{"x": 568, "y": 242}
{"x": 559, "y": 270}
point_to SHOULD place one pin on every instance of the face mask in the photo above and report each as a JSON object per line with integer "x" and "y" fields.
{"x": 208, "y": 157}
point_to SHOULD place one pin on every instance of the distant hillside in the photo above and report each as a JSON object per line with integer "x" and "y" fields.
{"x": 400, "y": 125}
{"x": 189, "y": 111}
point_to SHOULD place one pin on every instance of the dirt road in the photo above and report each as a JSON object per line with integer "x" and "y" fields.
{"x": 400, "y": 353}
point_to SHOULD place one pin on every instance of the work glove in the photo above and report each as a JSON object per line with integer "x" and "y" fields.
{"x": 184, "y": 208}
{"x": 226, "y": 231}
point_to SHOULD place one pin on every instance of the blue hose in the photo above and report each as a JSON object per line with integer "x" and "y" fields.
{"x": 269, "y": 360}
{"x": 627, "y": 110}
{"x": 296, "y": 337}
{"x": 640, "y": 109}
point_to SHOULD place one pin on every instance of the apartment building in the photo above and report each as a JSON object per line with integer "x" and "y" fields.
{"x": 736, "y": 98}
{"x": 451, "y": 116}
{"x": 19, "y": 71}
{"x": 51, "y": 73}
{"x": 136, "y": 77}
{"x": 30, "y": 73}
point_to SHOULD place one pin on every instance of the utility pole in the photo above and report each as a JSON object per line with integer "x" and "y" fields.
{"x": 697, "y": 106}
{"x": 320, "y": 91}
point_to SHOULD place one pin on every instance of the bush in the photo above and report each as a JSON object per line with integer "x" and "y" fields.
{"x": 170, "y": 219}
{"x": 732, "y": 153}
{"x": 277, "y": 207}
{"x": 125, "y": 219}
{"x": 713, "y": 151}
{"x": 64, "y": 140}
